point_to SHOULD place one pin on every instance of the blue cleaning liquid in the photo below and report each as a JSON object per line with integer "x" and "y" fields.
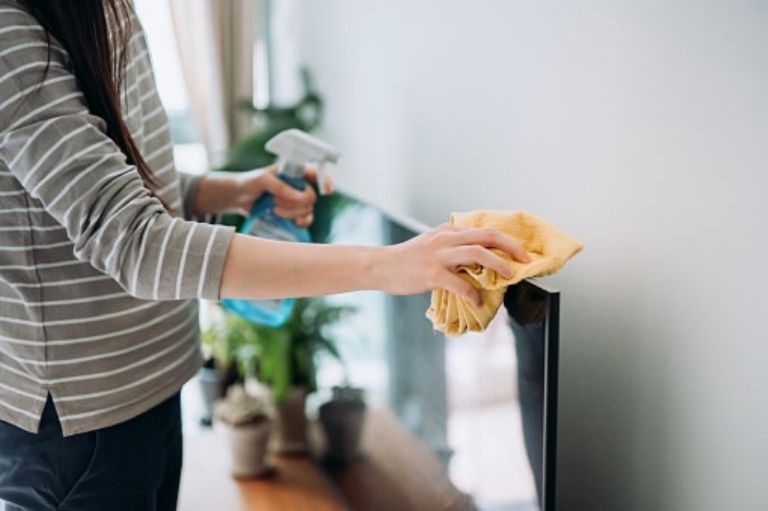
{"x": 264, "y": 223}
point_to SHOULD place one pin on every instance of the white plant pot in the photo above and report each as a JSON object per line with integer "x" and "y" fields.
{"x": 248, "y": 449}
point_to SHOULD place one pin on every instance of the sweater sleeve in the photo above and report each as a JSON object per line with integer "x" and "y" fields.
{"x": 189, "y": 184}
{"x": 61, "y": 154}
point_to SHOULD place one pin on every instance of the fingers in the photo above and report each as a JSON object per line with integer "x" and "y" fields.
{"x": 289, "y": 202}
{"x": 289, "y": 212}
{"x": 295, "y": 203}
{"x": 307, "y": 199}
{"x": 285, "y": 193}
{"x": 475, "y": 254}
{"x": 495, "y": 239}
{"x": 302, "y": 218}
{"x": 310, "y": 174}
{"x": 461, "y": 287}
{"x": 305, "y": 221}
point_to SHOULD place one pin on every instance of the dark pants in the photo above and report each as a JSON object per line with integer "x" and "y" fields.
{"x": 133, "y": 466}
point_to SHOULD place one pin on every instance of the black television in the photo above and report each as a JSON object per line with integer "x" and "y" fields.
{"x": 484, "y": 405}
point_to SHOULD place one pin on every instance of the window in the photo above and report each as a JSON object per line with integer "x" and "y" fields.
{"x": 189, "y": 150}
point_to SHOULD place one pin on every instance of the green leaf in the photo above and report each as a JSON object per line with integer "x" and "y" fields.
{"x": 279, "y": 357}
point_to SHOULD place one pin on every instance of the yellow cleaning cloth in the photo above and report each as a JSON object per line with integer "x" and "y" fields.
{"x": 548, "y": 247}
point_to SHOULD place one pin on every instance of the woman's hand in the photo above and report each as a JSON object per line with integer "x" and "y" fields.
{"x": 220, "y": 192}
{"x": 290, "y": 203}
{"x": 430, "y": 260}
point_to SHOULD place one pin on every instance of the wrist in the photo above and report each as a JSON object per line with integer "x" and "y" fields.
{"x": 374, "y": 261}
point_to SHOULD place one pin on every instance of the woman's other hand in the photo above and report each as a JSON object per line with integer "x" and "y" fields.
{"x": 290, "y": 203}
{"x": 431, "y": 260}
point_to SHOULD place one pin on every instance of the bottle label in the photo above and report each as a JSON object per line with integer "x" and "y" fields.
{"x": 263, "y": 228}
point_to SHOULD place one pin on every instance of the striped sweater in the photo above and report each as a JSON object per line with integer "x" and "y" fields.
{"x": 98, "y": 280}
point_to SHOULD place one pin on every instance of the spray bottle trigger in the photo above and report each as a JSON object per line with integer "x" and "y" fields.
{"x": 321, "y": 177}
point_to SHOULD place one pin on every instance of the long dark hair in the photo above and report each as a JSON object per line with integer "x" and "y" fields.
{"x": 83, "y": 27}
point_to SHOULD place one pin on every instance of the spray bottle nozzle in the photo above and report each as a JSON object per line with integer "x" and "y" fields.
{"x": 295, "y": 149}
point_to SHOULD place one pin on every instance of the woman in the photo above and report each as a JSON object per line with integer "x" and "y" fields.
{"x": 101, "y": 260}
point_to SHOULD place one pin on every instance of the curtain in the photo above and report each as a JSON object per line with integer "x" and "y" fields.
{"x": 216, "y": 41}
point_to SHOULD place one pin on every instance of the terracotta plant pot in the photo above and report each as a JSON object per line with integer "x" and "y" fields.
{"x": 248, "y": 449}
{"x": 291, "y": 423}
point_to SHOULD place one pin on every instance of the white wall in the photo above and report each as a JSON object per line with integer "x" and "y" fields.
{"x": 640, "y": 127}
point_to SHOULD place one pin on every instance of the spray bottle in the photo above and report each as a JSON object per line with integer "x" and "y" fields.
{"x": 294, "y": 149}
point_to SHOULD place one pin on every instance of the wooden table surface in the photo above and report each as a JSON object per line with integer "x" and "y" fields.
{"x": 396, "y": 472}
{"x": 206, "y": 484}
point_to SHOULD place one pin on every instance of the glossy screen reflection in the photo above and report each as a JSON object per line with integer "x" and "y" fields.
{"x": 477, "y": 402}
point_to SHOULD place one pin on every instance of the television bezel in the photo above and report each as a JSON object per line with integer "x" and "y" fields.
{"x": 551, "y": 383}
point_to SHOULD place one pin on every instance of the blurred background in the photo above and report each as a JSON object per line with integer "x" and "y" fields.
{"x": 639, "y": 127}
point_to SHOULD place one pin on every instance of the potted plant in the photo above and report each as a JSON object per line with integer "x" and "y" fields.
{"x": 343, "y": 418}
{"x": 221, "y": 343}
{"x": 212, "y": 387}
{"x": 284, "y": 359}
{"x": 246, "y": 419}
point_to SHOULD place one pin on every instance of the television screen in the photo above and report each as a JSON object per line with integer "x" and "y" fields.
{"x": 460, "y": 423}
